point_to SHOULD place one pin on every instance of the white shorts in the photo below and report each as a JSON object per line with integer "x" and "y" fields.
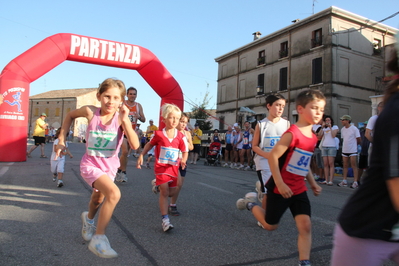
{"x": 264, "y": 176}
{"x": 57, "y": 166}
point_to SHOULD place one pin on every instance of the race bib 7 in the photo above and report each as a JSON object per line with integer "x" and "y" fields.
{"x": 168, "y": 155}
{"x": 102, "y": 143}
{"x": 300, "y": 162}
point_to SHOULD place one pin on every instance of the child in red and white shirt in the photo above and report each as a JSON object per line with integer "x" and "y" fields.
{"x": 168, "y": 143}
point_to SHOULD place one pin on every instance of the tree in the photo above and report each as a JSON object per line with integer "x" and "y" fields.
{"x": 199, "y": 112}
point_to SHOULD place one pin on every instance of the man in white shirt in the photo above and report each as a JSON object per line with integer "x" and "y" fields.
{"x": 370, "y": 127}
{"x": 351, "y": 138}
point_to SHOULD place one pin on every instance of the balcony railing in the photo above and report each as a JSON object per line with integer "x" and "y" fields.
{"x": 261, "y": 60}
{"x": 318, "y": 41}
{"x": 283, "y": 53}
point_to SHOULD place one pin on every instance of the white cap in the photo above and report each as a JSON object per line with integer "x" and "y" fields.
{"x": 235, "y": 125}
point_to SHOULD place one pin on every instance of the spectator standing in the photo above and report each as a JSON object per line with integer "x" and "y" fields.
{"x": 196, "y": 134}
{"x": 39, "y": 135}
{"x": 245, "y": 152}
{"x": 228, "y": 150}
{"x": 151, "y": 129}
{"x": 351, "y": 138}
{"x": 364, "y": 152}
{"x": 370, "y": 127}
{"x": 329, "y": 149}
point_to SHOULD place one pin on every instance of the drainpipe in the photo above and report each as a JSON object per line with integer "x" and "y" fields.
{"x": 30, "y": 119}
{"x": 238, "y": 85}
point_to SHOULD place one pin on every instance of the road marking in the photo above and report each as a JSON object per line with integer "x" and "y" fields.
{"x": 4, "y": 170}
{"x": 216, "y": 188}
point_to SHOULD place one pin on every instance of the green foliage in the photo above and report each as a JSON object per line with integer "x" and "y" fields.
{"x": 199, "y": 112}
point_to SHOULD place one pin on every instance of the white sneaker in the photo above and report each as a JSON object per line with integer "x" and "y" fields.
{"x": 166, "y": 225}
{"x": 247, "y": 168}
{"x": 88, "y": 229}
{"x": 118, "y": 177}
{"x": 240, "y": 167}
{"x": 242, "y": 203}
{"x": 260, "y": 225}
{"x": 100, "y": 246}
{"x": 355, "y": 185}
{"x": 155, "y": 188}
{"x": 258, "y": 188}
{"x": 60, "y": 183}
{"x": 54, "y": 177}
{"x": 233, "y": 165}
{"x": 343, "y": 183}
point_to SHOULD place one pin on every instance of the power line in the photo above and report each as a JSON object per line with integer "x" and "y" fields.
{"x": 368, "y": 26}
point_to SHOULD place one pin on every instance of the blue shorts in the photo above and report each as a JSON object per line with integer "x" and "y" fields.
{"x": 329, "y": 151}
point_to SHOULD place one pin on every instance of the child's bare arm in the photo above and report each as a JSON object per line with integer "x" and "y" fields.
{"x": 256, "y": 142}
{"x": 313, "y": 185}
{"x": 140, "y": 160}
{"x": 274, "y": 155}
{"x": 84, "y": 111}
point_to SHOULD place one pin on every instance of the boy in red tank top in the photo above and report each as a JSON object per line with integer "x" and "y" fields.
{"x": 289, "y": 163}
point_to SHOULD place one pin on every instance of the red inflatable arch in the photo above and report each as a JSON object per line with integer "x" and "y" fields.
{"x": 52, "y": 51}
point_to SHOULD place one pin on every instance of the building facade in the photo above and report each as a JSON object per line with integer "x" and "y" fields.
{"x": 338, "y": 52}
{"x": 57, "y": 103}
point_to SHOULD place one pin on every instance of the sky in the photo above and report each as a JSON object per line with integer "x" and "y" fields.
{"x": 186, "y": 36}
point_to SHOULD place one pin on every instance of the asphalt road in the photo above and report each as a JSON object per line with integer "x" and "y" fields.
{"x": 40, "y": 223}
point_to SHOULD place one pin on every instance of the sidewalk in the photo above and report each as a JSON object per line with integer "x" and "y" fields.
{"x": 40, "y": 223}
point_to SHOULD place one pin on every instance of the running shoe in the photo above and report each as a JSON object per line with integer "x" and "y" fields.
{"x": 322, "y": 181}
{"x": 354, "y": 185}
{"x": 247, "y": 168}
{"x": 100, "y": 246}
{"x": 240, "y": 167}
{"x": 60, "y": 183}
{"x": 258, "y": 188}
{"x": 242, "y": 203}
{"x": 260, "y": 225}
{"x": 343, "y": 183}
{"x": 155, "y": 188}
{"x": 118, "y": 177}
{"x": 173, "y": 211}
{"x": 330, "y": 183}
{"x": 166, "y": 225}
{"x": 54, "y": 177}
{"x": 88, "y": 229}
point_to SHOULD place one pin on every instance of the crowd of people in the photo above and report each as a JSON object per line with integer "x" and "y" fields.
{"x": 284, "y": 155}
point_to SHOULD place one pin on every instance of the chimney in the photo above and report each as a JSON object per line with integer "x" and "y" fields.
{"x": 256, "y": 35}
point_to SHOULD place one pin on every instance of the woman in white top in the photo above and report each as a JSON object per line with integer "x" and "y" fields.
{"x": 267, "y": 133}
{"x": 329, "y": 148}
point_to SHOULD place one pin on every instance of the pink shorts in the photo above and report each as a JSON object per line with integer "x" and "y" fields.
{"x": 91, "y": 173}
{"x": 162, "y": 178}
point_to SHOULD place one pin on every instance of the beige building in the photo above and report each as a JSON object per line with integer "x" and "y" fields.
{"x": 338, "y": 52}
{"x": 57, "y": 103}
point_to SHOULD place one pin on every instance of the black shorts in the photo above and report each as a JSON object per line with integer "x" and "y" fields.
{"x": 39, "y": 140}
{"x": 142, "y": 144}
{"x": 276, "y": 206}
{"x": 183, "y": 171}
{"x": 229, "y": 147}
{"x": 197, "y": 148}
{"x": 363, "y": 161}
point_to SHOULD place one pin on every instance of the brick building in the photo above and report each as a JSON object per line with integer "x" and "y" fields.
{"x": 57, "y": 103}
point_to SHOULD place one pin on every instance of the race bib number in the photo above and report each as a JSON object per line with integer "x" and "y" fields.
{"x": 300, "y": 162}
{"x": 168, "y": 155}
{"x": 269, "y": 142}
{"x": 102, "y": 143}
{"x": 133, "y": 118}
{"x": 245, "y": 141}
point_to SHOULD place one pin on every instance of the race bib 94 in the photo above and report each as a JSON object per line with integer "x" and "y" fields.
{"x": 300, "y": 162}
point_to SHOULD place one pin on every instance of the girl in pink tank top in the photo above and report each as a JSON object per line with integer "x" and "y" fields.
{"x": 100, "y": 162}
